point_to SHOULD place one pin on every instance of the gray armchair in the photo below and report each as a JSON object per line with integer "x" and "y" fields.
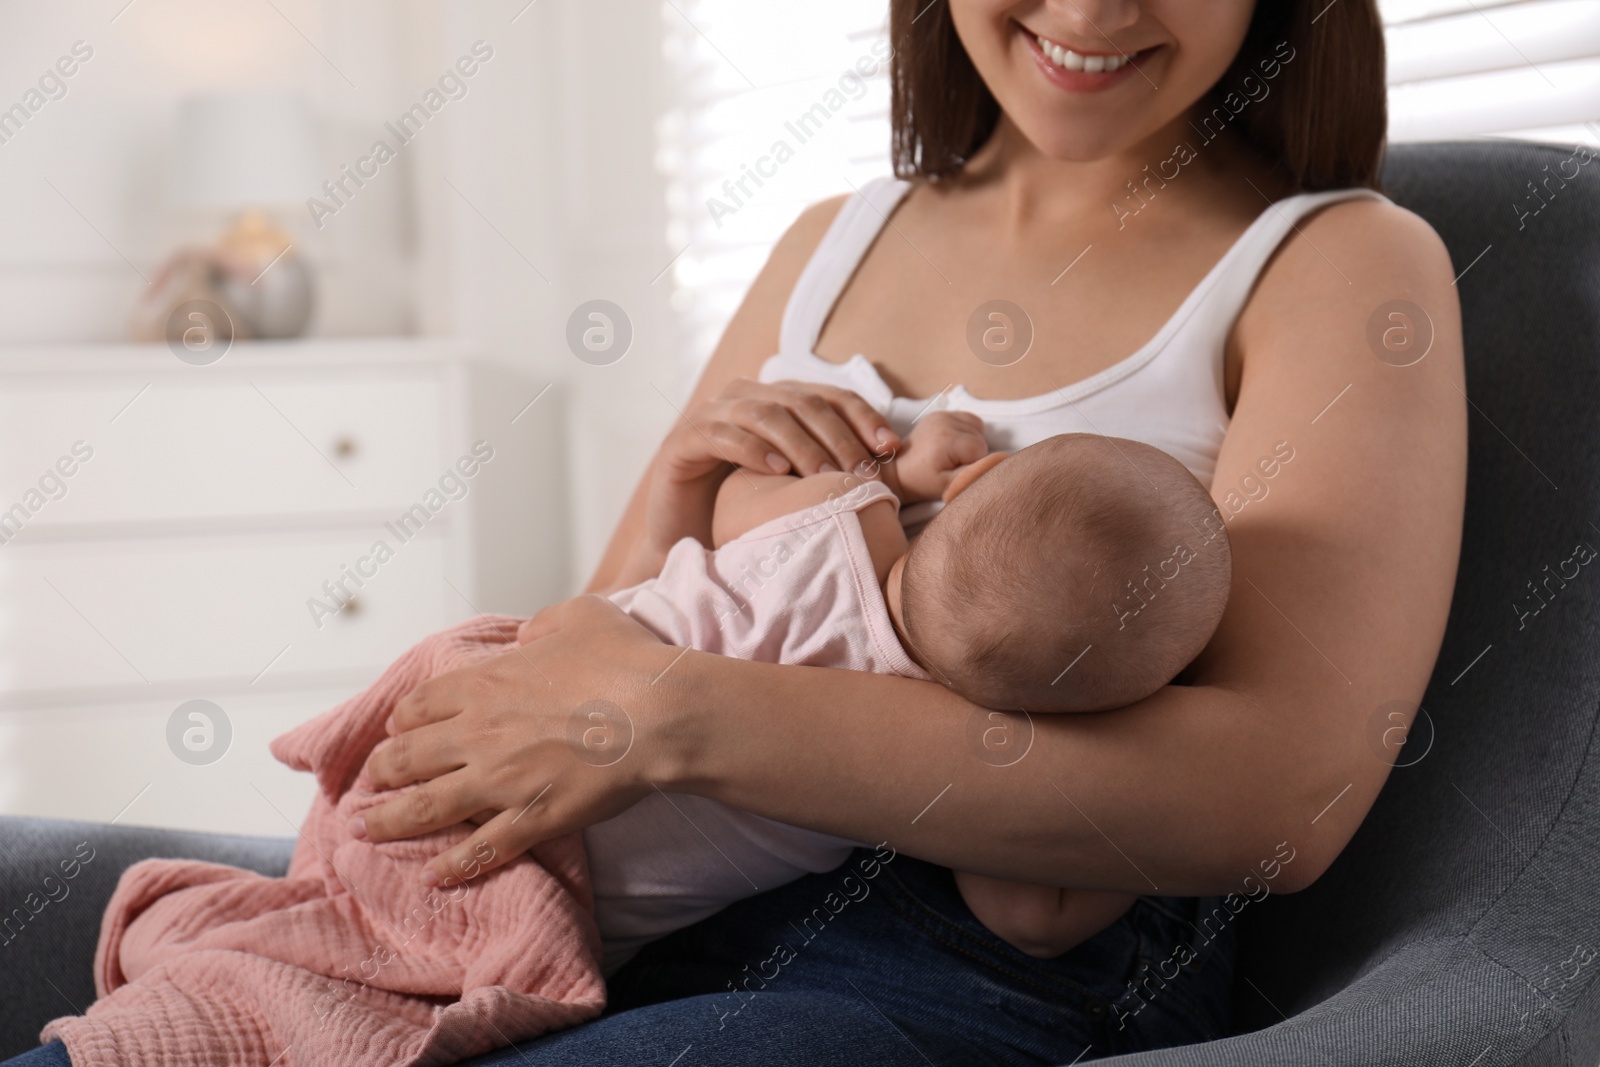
{"x": 1462, "y": 925}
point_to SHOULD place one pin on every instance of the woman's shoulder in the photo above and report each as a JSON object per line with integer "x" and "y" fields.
{"x": 1377, "y": 237}
{"x": 1335, "y": 284}
{"x": 805, "y": 233}
{"x": 1351, "y": 254}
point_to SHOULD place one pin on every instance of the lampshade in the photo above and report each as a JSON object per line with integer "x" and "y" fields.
{"x": 238, "y": 151}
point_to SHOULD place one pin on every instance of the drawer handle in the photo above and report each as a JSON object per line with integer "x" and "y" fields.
{"x": 345, "y": 447}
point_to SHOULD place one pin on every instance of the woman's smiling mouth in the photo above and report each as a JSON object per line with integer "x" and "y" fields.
{"x": 1081, "y": 71}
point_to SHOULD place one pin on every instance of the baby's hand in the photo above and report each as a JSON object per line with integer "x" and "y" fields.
{"x": 939, "y": 445}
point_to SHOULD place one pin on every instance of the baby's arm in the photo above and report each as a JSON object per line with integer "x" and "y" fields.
{"x": 1040, "y": 920}
{"x": 747, "y": 499}
{"x": 673, "y": 511}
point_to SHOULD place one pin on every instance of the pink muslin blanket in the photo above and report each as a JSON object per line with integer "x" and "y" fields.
{"x": 348, "y": 960}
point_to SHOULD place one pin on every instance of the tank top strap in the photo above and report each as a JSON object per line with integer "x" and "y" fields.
{"x": 1220, "y": 298}
{"x": 854, "y": 228}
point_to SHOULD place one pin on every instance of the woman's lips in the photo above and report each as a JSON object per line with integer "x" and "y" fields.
{"x": 1077, "y": 71}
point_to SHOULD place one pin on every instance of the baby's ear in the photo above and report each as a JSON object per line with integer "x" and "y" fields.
{"x": 965, "y": 476}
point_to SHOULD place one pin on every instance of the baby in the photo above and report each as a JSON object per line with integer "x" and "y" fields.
{"x": 1078, "y": 575}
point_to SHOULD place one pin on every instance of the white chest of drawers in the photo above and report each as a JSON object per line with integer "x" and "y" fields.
{"x": 171, "y": 533}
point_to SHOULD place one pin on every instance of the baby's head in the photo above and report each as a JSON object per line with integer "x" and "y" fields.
{"x": 1078, "y": 542}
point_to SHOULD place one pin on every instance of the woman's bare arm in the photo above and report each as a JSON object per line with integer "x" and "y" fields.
{"x": 1342, "y": 582}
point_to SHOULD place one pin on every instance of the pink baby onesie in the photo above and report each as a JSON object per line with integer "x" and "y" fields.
{"x": 800, "y": 589}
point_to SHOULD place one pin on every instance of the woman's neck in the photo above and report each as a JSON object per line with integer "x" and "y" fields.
{"x": 1173, "y": 170}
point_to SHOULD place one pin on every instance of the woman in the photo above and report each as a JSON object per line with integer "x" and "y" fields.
{"x": 1215, "y": 179}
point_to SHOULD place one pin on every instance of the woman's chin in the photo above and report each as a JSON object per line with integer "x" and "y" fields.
{"x": 1078, "y": 144}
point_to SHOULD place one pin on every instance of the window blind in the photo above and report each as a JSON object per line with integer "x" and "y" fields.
{"x": 777, "y": 109}
{"x": 1464, "y": 68}
{"x": 779, "y": 106}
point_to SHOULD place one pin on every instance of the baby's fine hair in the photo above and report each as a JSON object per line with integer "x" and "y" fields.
{"x": 1081, "y": 574}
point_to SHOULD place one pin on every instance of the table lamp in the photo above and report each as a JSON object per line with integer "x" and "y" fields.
{"x": 251, "y": 154}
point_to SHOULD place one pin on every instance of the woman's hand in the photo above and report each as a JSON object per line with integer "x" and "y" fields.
{"x": 777, "y": 428}
{"x": 781, "y": 427}
{"x": 541, "y": 735}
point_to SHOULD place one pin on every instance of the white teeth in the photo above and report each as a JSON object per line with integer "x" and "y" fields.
{"x": 1070, "y": 60}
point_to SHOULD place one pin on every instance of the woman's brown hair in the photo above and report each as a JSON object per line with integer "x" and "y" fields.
{"x": 1320, "y": 122}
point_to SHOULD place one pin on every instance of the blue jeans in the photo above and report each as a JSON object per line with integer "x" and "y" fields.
{"x": 880, "y": 962}
{"x": 844, "y": 969}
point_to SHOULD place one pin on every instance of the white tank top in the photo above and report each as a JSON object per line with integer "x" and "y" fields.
{"x": 1169, "y": 394}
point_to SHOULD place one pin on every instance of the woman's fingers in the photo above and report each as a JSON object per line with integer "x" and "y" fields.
{"x": 710, "y": 438}
{"x": 777, "y": 425}
{"x": 871, "y": 428}
{"x": 560, "y": 805}
{"x": 778, "y": 428}
{"x": 494, "y": 844}
{"x": 745, "y": 449}
{"x": 840, "y": 422}
{"x": 413, "y": 756}
{"x": 430, "y": 806}
{"x": 827, "y": 426}
{"x": 433, "y": 701}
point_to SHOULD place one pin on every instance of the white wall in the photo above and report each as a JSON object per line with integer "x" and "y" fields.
{"x": 548, "y": 160}
{"x": 560, "y": 157}
{"x": 65, "y": 252}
